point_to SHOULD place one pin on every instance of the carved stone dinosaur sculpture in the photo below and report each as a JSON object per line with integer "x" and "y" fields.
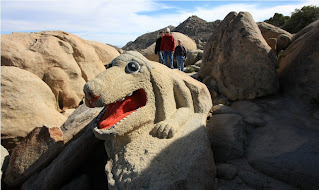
{"x": 153, "y": 125}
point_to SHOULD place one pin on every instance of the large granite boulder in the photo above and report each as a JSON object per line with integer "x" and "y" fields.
{"x": 26, "y": 102}
{"x": 63, "y": 60}
{"x": 105, "y": 52}
{"x": 193, "y": 56}
{"x": 187, "y": 42}
{"x": 238, "y": 61}
{"x": 299, "y": 68}
{"x": 34, "y": 152}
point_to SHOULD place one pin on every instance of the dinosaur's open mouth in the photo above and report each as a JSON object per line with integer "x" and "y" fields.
{"x": 115, "y": 112}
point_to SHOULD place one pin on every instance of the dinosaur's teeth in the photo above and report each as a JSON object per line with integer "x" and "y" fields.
{"x": 130, "y": 94}
{"x": 123, "y": 99}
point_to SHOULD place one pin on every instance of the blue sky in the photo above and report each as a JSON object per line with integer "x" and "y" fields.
{"x": 118, "y": 22}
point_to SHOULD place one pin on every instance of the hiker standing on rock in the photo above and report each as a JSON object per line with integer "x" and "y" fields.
{"x": 180, "y": 54}
{"x": 167, "y": 47}
{"x": 158, "y": 48}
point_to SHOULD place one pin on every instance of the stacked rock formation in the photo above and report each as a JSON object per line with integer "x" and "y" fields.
{"x": 277, "y": 38}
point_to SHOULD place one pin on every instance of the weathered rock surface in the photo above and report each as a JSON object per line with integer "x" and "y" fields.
{"x": 4, "y": 160}
{"x": 226, "y": 135}
{"x": 80, "y": 183}
{"x": 26, "y": 102}
{"x": 286, "y": 148}
{"x": 145, "y": 40}
{"x": 249, "y": 178}
{"x": 193, "y": 56}
{"x": 223, "y": 109}
{"x": 240, "y": 61}
{"x": 270, "y": 31}
{"x": 187, "y": 42}
{"x": 225, "y": 171}
{"x": 83, "y": 53}
{"x": 299, "y": 68}
{"x": 105, "y": 52}
{"x": 75, "y": 125}
{"x": 65, "y": 166}
{"x": 34, "y": 152}
{"x": 197, "y": 29}
{"x": 63, "y": 60}
{"x": 283, "y": 41}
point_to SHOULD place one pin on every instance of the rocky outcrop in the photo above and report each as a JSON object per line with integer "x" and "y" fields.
{"x": 194, "y": 27}
{"x": 197, "y": 29}
{"x": 299, "y": 68}
{"x": 237, "y": 61}
{"x": 187, "y": 42}
{"x": 105, "y": 52}
{"x": 26, "y": 102}
{"x": 34, "y": 152}
{"x": 63, "y": 60}
{"x": 145, "y": 40}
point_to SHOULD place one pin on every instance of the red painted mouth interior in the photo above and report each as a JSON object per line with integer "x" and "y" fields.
{"x": 117, "y": 111}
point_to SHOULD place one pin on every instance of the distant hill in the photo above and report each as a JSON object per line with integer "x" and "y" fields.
{"x": 196, "y": 28}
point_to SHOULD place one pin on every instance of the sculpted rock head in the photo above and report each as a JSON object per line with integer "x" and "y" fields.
{"x": 126, "y": 93}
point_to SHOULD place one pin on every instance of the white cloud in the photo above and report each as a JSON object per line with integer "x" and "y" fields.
{"x": 117, "y": 21}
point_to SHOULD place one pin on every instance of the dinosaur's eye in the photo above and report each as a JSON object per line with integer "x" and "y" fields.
{"x": 132, "y": 67}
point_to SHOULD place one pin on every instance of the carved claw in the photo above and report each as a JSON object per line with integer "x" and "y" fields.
{"x": 163, "y": 130}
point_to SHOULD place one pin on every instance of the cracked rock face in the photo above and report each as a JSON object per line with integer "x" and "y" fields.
{"x": 62, "y": 60}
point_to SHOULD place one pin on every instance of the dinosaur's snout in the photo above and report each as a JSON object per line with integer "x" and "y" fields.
{"x": 90, "y": 97}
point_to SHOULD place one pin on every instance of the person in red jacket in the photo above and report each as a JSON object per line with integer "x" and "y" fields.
{"x": 168, "y": 47}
